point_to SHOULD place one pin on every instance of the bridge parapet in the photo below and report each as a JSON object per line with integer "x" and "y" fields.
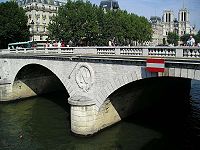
{"x": 174, "y": 52}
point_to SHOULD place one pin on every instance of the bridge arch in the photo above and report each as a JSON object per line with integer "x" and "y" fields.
{"x": 115, "y": 84}
{"x": 119, "y": 81}
{"x": 135, "y": 96}
{"x": 36, "y": 79}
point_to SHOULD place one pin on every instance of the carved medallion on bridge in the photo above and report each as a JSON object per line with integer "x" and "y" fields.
{"x": 84, "y": 77}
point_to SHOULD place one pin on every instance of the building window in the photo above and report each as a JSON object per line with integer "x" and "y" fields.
{"x": 166, "y": 33}
{"x": 185, "y": 16}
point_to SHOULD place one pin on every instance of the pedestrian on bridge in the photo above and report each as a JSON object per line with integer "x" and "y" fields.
{"x": 191, "y": 41}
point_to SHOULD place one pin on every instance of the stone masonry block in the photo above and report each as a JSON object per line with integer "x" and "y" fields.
{"x": 191, "y": 73}
{"x": 171, "y": 72}
{"x": 91, "y": 118}
{"x": 132, "y": 77}
{"x": 106, "y": 91}
{"x": 125, "y": 79}
{"x": 113, "y": 85}
{"x": 177, "y": 72}
{"x": 79, "y": 113}
{"x": 117, "y": 83}
{"x": 111, "y": 89}
{"x": 197, "y": 75}
{"x": 79, "y": 123}
{"x": 129, "y": 77}
{"x": 184, "y": 73}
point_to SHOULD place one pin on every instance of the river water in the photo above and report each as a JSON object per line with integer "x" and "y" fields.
{"x": 43, "y": 123}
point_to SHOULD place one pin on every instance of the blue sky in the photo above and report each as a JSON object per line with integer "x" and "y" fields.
{"x": 149, "y": 8}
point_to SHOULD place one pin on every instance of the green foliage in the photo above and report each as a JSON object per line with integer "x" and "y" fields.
{"x": 185, "y": 38}
{"x": 76, "y": 21}
{"x": 197, "y": 37}
{"x": 86, "y": 24}
{"x": 172, "y": 38}
{"x": 13, "y": 24}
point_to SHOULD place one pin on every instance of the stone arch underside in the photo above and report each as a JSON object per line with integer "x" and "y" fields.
{"x": 35, "y": 79}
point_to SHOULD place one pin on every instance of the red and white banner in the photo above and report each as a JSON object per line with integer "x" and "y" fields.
{"x": 155, "y": 65}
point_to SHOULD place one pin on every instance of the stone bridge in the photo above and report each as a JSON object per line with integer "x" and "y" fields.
{"x": 89, "y": 75}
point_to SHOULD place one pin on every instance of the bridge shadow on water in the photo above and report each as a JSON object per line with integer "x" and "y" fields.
{"x": 60, "y": 98}
{"x": 162, "y": 105}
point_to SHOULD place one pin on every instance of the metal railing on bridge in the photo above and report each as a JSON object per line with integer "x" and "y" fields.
{"x": 185, "y": 52}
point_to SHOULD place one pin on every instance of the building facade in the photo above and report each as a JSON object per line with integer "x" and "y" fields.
{"x": 109, "y": 5}
{"x": 157, "y": 28}
{"x": 39, "y": 14}
{"x": 170, "y": 23}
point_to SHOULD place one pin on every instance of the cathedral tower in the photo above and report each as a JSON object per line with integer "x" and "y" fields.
{"x": 183, "y": 19}
{"x": 168, "y": 22}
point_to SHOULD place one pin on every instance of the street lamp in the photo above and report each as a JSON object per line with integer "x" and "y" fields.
{"x": 32, "y": 24}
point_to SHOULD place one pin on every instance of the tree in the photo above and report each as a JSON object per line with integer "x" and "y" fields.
{"x": 76, "y": 21}
{"x": 87, "y": 24}
{"x": 13, "y": 24}
{"x": 185, "y": 38}
{"x": 172, "y": 38}
{"x": 197, "y": 37}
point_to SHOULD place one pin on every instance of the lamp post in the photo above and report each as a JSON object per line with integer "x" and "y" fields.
{"x": 32, "y": 24}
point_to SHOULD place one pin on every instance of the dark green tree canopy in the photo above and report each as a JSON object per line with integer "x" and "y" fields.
{"x": 13, "y": 24}
{"x": 172, "y": 38}
{"x": 197, "y": 37}
{"x": 87, "y": 24}
{"x": 185, "y": 38}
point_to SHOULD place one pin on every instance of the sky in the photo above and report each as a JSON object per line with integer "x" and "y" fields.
{"x": 150, "y": 8}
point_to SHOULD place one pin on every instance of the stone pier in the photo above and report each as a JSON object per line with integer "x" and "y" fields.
{"x": 5, "y": 91}
{"x": 86, "y": 120}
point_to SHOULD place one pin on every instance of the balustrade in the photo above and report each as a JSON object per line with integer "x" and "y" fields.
{"x": 131, "y": 51}
{"x": 66, "y": 50}
{"x": 162, "y": 52}
{"x": 191, "y": 52}
{"x": 106, "y": 51}
{"x": 174, "y": 52}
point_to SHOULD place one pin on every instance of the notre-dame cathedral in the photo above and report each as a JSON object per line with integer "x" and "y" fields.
{"x": 169, "y": 23}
